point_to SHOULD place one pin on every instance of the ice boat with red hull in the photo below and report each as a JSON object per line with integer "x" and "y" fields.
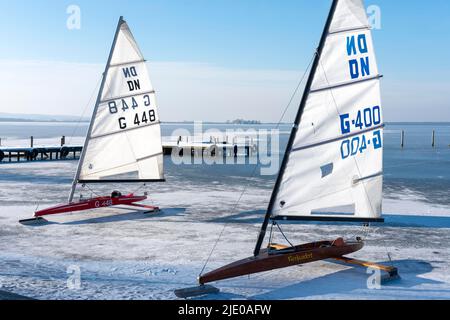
{"x": 123, "y": 142}
{"x": 95, "y": 203}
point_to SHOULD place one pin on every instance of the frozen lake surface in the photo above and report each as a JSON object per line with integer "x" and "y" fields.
{"x": 125, "y": 254}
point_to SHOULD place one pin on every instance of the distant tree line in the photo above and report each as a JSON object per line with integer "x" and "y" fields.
{"x": 243, "y": 121}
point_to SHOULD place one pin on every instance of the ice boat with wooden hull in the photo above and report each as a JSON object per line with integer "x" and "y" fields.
{"x": 332, "y": 169}
{"x": 123, "y": 143}
{"x": 282, "y": 257}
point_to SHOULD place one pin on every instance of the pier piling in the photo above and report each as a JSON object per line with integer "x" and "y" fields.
{"x": 433, "y": 139}
{"x": 402, "y": 139}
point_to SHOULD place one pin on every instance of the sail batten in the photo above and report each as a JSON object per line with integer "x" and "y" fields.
{"x": 121, "y": 132}
{"x": 127, "y": 96}
{"x": 337, "y": 139}
{"x": 126, "y": 63}
{"x": 367, "y": 27}
{"x": 124, "y": 139}
{"x": 376, "y": 175}
{"x": 333, "y": 167}
{"x": 348, "y": 83}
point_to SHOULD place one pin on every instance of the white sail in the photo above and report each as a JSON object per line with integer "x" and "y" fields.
{"x": 124, "y": 142}
{"x": 335, "y": 167}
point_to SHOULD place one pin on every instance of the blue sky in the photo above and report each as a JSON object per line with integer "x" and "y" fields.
{"x": 241, "y": 37}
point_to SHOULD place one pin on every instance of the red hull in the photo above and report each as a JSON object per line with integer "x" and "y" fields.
{"x": 95, "y": 203}
{"x": 277, "y": 259}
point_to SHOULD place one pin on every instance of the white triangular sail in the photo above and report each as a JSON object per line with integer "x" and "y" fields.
{"x": 124, "y": 142}
{"x": 334, "y": 169}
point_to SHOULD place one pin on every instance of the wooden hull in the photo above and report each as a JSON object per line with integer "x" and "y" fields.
{"x": 277, "y": 259}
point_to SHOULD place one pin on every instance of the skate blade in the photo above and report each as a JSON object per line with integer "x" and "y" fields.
{"x": 196, "y": 291}
{"x": 33, "y": 221}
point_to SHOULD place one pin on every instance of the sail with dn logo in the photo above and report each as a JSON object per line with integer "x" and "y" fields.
{"x": 332, "y": 169}
{"x": 123, "y": 143}
{"x": 125, "y": 140}
{"x": 340, "y": 129}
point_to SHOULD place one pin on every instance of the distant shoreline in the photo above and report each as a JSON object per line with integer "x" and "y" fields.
{"x": 43, "y": 120}
{"x": 84, "y": 121}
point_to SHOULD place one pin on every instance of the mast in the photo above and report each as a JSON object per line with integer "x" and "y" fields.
{"x": 295, "y": 128}
{"x": 97, "y": 103}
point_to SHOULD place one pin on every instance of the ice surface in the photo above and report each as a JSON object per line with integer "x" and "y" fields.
{"x": 126, "y": 254}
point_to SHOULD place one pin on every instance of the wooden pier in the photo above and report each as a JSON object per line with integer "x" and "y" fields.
{"x": 18, "y": 154}
{"x": 180, "y": 147}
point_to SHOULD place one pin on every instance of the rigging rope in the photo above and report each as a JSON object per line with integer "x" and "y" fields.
{"x": 84, "y": 110}
{"x": 271, "y": 232}
{"x": 279, "y": 228}
{"x": 90, "y": 189}
{"x": 77, "y": 125}
{"x": 257, "y": 165}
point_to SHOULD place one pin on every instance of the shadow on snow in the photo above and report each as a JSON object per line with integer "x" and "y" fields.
{"x": 111, "y": 218}
{"x": 391, "y": 220}
{"x": 354, "y": 279}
